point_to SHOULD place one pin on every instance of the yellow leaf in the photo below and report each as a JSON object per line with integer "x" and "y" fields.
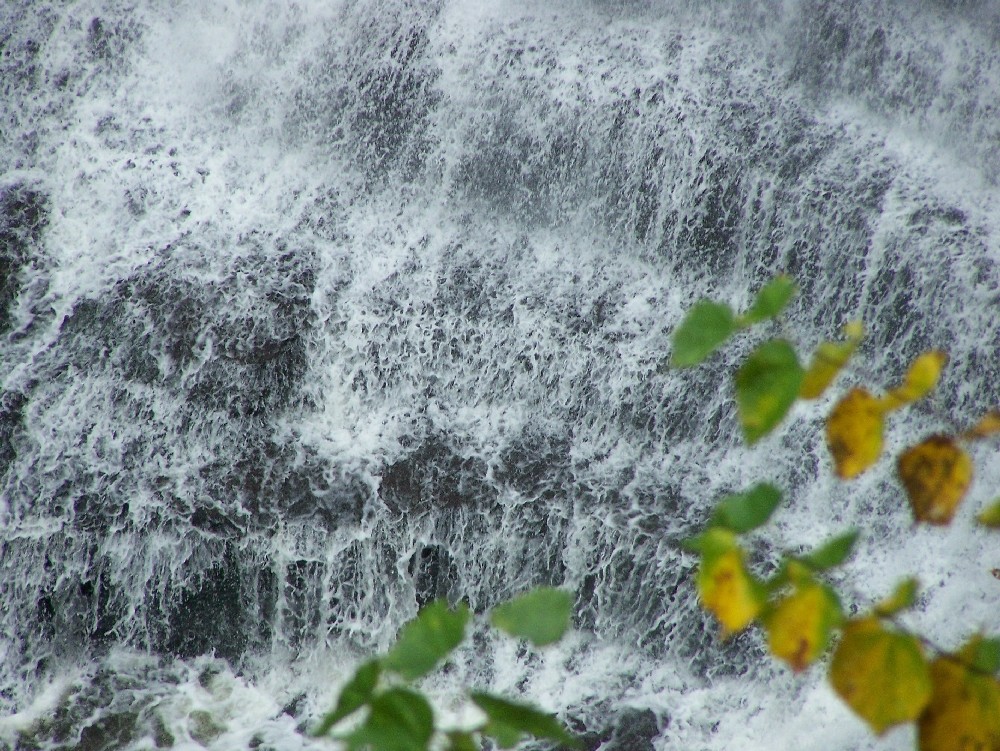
{"x": 880, "y": 674}
{"x": 854, "y": 433}
{"x": 990, "y": 516}
{"x": 987, "y": 426}
{"x": 920, "y": 380}
{"x": 936, "y": 474}
{"x": 964, "y": 711}
{"x": 725, "y": 587}
{"x": 799, "y": 627}
{"x": 827, "y": 361}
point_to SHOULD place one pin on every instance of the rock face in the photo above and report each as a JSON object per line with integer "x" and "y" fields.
{"x": 629, "y": 730}
{"x": 314, "y": 312}
{"x": 23, "y": 216}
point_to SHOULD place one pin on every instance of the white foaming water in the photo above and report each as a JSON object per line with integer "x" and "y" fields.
{"x": 317, "y": 311}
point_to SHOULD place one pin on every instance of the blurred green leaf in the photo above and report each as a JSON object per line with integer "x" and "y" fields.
{"x": 828, "y": 359}
{"x": 462, "y": 741}
{"x": 354, "y": 695}
{"x": 984, "y": 654}
{"x": 427, "y": 639}
{"x": 767, "y": 385}
{"x": 832, "y": 553}
{"x": 771, "y": 300}
{"x": 541, "y": 616}
{"x": 508, "y": 721}
{"x": 707, "y": 326}
{"x": 399, "y": 720}
{"x": 694, "y": 544}
{"x": 902, "y": 597}
{"x": 742, "y": 512}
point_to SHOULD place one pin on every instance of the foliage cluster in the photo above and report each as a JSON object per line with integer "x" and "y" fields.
{"x": 885, "y": 673}
{"x": 380, "y": 707}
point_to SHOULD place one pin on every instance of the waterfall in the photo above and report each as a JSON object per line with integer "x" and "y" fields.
{"x": 313, "y": 312}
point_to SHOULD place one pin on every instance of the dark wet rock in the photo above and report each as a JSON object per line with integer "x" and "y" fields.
{"x": 294, "y": 707}
{"x": 109, "y": 733}
{"x": 435, "y": 474}
{"x": 11, "y": 417}
{"x": 160, "y": 327}
{"x": 535, "y": 463}
{"x": 386, "y": 94}
{"x": 225, "y": 610}
{"x": 628, "y": 730}
{"x": 108, "y": 40}
{"x": 23, "y": 216}
{"x": 204, "y": 728}
{"x": 109, "y": 711}
{"x": 433, "y": 572}
{"x": 162, "y": 737}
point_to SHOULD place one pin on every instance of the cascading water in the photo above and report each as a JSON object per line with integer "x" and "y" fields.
{"x": 315, "y": 311}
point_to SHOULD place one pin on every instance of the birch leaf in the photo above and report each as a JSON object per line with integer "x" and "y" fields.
{"x": 771, "y": 300}
{"x": 990, "y": 516}
{"x": 903, "y": 597}
{"x": 987, "y": 426}
{"x": 964, "y": 710}
{"x": 854, "y": 433}
{"x": 936, "y": 474}
{"x": 704, "y": 329}
{"x": 541, "y": 615}
{"x": 882, "y": 675}
{"x": 743, "y": 512}
{"x": 920, "y": 380}
{"x": 766, "y": 387}
{"x": 828, "y": 360}
{"x": 799, "y": 627}
{"x": 726, "y": 589}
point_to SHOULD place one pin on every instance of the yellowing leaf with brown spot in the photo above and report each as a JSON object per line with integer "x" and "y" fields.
{"x": 936, "y": 474}
{"x": 987, "y": 426}
{"x": 920, "y": 380}
{"x": 726, "y": 589}
{"x": 964, "y": 711}
{"x": 854, "y": 433}
{"x": 880, "y": 674}
{"x": 799, "y": 627}
{"x": 827, "y": 361}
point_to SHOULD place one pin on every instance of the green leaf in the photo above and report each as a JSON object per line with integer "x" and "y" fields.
{"x": 771, "y": 299}
{"x": 903, "y": 597}
{"x": 766, "y": 387}
{"x": 832, "y": 553}
{"x": 459, "y": 740}
{"x": 541, "y": 616}
{"x": 427, "y": 639}
{"x": 742, "y": 512}
{"x": 354, "y": 695}
{"x": 694, "y": 544}
{"x": 508, "y": 721}
{"x": 706, "y": 327}
{"x": 984, "y": 654}
{"x": 400, "y": 720}
{"x": 990, "y": 516}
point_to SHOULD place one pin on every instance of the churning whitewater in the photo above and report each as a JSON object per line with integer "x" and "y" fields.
{"x": 312, "y": 312}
